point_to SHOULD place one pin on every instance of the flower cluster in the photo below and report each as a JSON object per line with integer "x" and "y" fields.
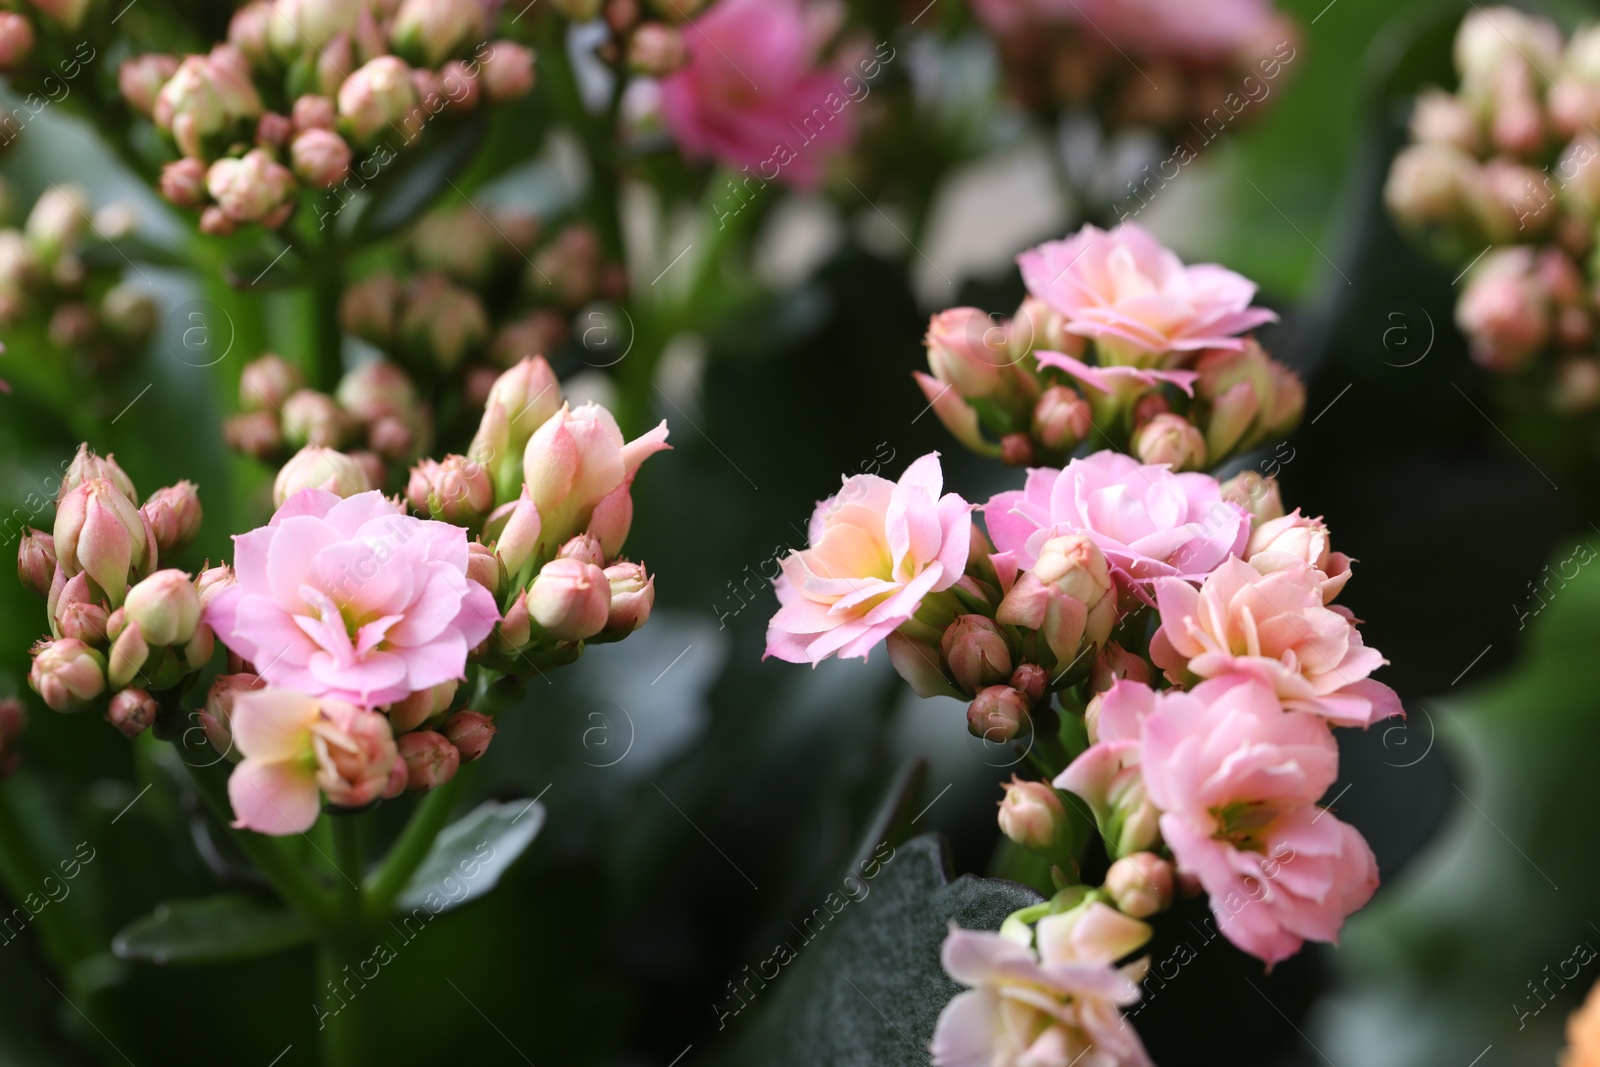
{"x": 1172, "y": 381}
{"x": 307, "y": 94}
{"x": 46, "y": 279}
{"x": 1504, "y": 175}
{"x": 349, "y": 624}
{"x": 1167, "y": 643}
{"x": 1148, "y": 63}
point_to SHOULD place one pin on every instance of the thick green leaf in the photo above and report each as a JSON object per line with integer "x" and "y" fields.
{"x": 863, "y": 985}
{"x": 471, "y": 854}
{"x": 211, "y": 930}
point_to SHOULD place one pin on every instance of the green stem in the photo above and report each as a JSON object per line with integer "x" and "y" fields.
{"x": 270, "y": 858}
{"x": 341, "y": 1035}
{"x": 412, "y": 846}
{"x": 349, "y": 854}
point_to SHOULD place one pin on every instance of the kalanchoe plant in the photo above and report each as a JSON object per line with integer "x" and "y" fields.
{"x": 1163, "y": 647}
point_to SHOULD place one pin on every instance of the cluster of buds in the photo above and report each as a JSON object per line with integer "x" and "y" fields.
{"x": 1020, "y": 390}
{"x": 115, "y": 619}
{"x": 548, "y": 489}
{"x": 375, "y": 414}
{"x": 45, "y": 278}
{"x": 364, "y": 80}
{"x": 1511, "y": 161}
{"x": 1064, "y": 57}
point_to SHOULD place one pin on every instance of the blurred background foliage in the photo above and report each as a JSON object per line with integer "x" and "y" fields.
{"x": 700, "y": 801}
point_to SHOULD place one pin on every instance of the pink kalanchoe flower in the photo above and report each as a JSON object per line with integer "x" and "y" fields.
{"x": 877, "y": 548}
{"x": 1149, "y": 522}
{"x": 1136, "y": 299}
{"x": 1280, "y": 543}
{"x": 1058, "y": 1007}
{"x": 785, "y": 128}
{"x": 1237, "y": 779}
{"x": 1118, "y": 381}
{"x": 1274, "y": 628}
{"x": 352, "y": 600}
{"x": 296, "y": 747}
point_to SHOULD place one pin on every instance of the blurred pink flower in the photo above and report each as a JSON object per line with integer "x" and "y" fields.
{"x": 1149, "y": 522}
{"x": 1151, "y": 27}
{"x": 1136, "y": 298}
{"x": 877, "y": 548}
{"x": 296, "y": 747}
{"x": 1274, "y": 628}
{"x": 1237, "y": 779}
{"x": 1056, "y": 1008}
{"x": 353, "y": 600}
{"x": 754, "y": 94}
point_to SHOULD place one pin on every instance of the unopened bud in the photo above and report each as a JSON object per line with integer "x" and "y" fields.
{"x": 86, "y": 465}
{"x": 483, "y": 567}
{"x": 1061, "y": 419}
{"x": 456, "y": 491}
{"x": 98, "y": 531}
{"x": 268, "y": 382}
{"x": 1115, "y": 663}
{"x": 1031, "y": 680}
{"x": 255, "y": 433}
{"x": 166, "y": 606}
{"x": 174, "y": 515}
{"x": 1140, "y": 885}
{"x": 657, "y": 49}
{"x": 255, "y": 188}
{"x": 313, "y": 112}
{"x": 132, "y": 711}
{"x": 374, "y": 96}
{"x": 142, "y": 77}
{"x": 518, "y": 536}
{"x": 1032, "y": 815}
{"x": 570, "y": 600}
{"x": 183, "y": 182}
{"x": 975, "y": 652}
{"x": 998, "y": 714}
{"x": 36, "y": 560}
{"x": 430, "y": 759}
{"x": 320, "y": 468}
{"x": 633, "y": 595}
{"x": 1172, "y": 441}
{"x": 313, "y": 418}
{"x": 427, "y": 32}
{"x": 522, "y": 400}
{"x": 67, "y": 674}
{"x": 216, "y": 718}
{"x": 443, "y": 321}
{"x": 470, "y": 732}
{"x": 408, "y": 714}
{"x": 321, "y": 158}
{"x": 507, "y": 71}
{"x": 368, "y": 308}
{"x": 585, "y": 548}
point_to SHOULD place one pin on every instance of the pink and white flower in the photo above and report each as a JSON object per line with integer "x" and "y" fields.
{"x": 297, "y": 747}
{"x": 877, "y": 549}
{"x": 1057, "y": 1007}
{"x": 1275, "y": 629}
{"x": 1137, "y": 300}
{"x": 1237, "y": 779}
{"x": 1149, "y": 522}
{"x": 352, "y": 600}
{"x": 754, "y": 93}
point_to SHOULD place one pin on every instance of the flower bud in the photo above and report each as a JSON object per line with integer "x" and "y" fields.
{"x": 216, "y": 718}
{"x": 1032, "y": 816}
{"x": 368, "y": 308}
{"x": 507, "y": 71}
{"x": 571, "y": 261}
{"x": 408, "y": 714}
{"x": 1257, "y": 495}
{"x": 313, "y": 112}
{"x": 483, "y": 567}
{"x": 132, "y": 711}
{"x": 517, "y": 527}
{"x": 919, "y": 664}
{"x": 522, "y": 400}
{"x": 320, "y": 468}
{"x": 1440, "y": 118}
{"x": 16, "y": 39}
{"x": 1252, "y": 398}
{"x": 375, "y": 96}
{"x": 255, "y": 188}
{"x": 633, "y": 594}
{"x": 321, "y": 158}
{"x": 585, "y": 548}
{"x": 249, "y": 32}
{"x": 443, "y": 321}
{"x": 255, "y": 433}
{"x": 141, "y": 78}
{"x": 273, "y": 132}
{"x": 183, "y": 182}
{"x": 470, "y": 732}
{"x": 86, "y": 465}
{"x": 1061, "y": 420}
{"x": 1505, "y": 312}
{"x": 174, "y": 515}
{"x": 1067, "y": 598}
{"x": 78, "y": 615}
{"x": 98, "y": 531}
{"x": 67, "y": 674}
{"x": 301, "y": 26}
{"x": 313, "y": 418}
{"x": 205, "y": 95}
{"x": 1115, "y": 663}
{"x": 1576, "y": 389}
{"x": 1140, "y": 885}
{"x": 127, "y": 313}
{"x": 267, "y": 383}
{"x": 969, "y": 351}
{"x": 975, "y": 653}
{"x": 427, "y": 32}
{"x": 457, "y": 491}
{"x": 166, "y": 606}
{"x": 514, "y": 632}
{"x": 1431, "y": 185}
{"x": 56, "y": 222}
{"x": 72, "y": 326}
{"x": 460, "y": 85}
{"x": 657, "y": 49}
{"x": 36, "y": 560}
{"x": 1170, "y": 440}
{"x": 1032, "y": 681}
{"x": 430, "y": 759}
{"x": 579, "y": 470}
{"x": 129, "y": 652}
{"x": 998, "y": 714}
{"x": 570, "y": 600}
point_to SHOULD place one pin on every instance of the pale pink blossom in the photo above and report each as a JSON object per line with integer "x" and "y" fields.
{"x": 1237, "y": 779}
{"x": 296, "y": 747}
{"x": 1057, "y": 1007}
{"x": 1274, "y": 628}
{"x": 579, "y": 472}
{"x": 352, "y": 600}
{"x": 754, "y": 93}
{"x": 1149, "y": 522}
{"x": 1280, "y": 543}
{"x": 1136, "y": 299}
{"x": 876, "y": 550}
